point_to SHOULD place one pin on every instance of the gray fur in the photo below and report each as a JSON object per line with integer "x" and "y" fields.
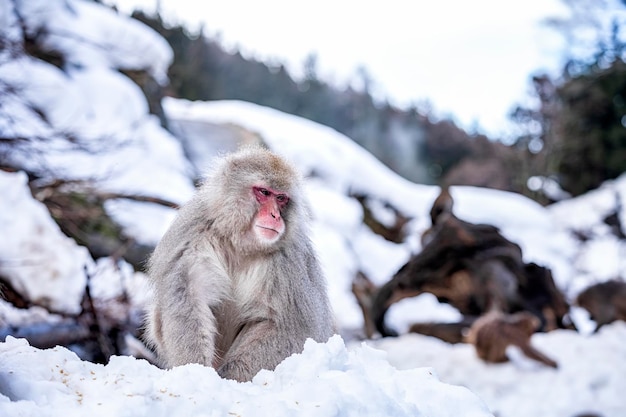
{"x": 222, "y": 298}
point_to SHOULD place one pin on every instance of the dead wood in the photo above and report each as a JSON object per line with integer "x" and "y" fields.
{"x": 103, "y": 328}
{"x": 605, "y": 302}
{"x": 474, "y": 268}
{"x": 448, "y": 332}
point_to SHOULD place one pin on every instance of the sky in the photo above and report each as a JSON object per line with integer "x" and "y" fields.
{"x": 408, "y": 375}
{"x": 470, "y": 61}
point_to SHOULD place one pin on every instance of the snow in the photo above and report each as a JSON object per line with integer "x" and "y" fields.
{"x": 325, "y": 380}
{"x": 590, "y": 378}
{"x": 127, "y": 151}
{"x": 88, "y": 35}
{"x": 37, "y": 258}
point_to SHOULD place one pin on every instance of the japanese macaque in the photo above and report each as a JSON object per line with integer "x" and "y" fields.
{"x": 236, "y": 282}
{"x": 605, "y": 302}
{"x": 492, "y": 333}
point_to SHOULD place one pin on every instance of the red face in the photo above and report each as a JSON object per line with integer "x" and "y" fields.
{"x": 268, "y": 223}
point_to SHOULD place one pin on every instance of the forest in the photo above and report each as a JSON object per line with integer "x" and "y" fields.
{"x": 574, "y": 137}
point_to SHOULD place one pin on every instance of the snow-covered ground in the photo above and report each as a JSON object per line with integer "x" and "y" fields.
{"x": 127, "y": 151}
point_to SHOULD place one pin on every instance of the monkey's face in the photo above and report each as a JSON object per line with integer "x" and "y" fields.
{"x": 268, "y": 224}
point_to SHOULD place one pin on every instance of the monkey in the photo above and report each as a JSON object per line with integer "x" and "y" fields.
{"x": 605, "y": 302}
{"x": 494, "y": 331}
{"x": 235, "y": 279}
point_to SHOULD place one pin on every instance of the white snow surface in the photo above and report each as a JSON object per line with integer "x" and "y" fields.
{"x": 324, "y": 380}
{"x": 88, "y": 35}
{"x": 128, "y": 152}
{"x": 35, "y": 256}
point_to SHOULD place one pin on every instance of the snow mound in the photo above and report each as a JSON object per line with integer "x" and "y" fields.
{"x": 326, "y": 379}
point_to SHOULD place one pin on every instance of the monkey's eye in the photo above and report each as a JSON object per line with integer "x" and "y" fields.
{"x": 262, "y": 194}
{"x": 282, "y": 198}
{"x": 260, "y": 191}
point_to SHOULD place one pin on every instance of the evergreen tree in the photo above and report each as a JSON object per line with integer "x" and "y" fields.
{"x": 593, "y": 115}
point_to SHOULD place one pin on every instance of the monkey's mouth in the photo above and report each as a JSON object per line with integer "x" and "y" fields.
{"x": 267, "y": 232}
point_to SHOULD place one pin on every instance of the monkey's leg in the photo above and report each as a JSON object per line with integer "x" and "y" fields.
{"x": 259, "y": 345}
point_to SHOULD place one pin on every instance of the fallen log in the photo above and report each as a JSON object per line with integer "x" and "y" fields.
{"x": 474, "y": 268}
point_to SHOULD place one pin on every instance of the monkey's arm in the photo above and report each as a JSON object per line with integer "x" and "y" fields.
{"x": 182, "y": 324}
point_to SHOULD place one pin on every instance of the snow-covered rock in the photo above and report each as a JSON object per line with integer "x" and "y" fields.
{"x": 39, "y": 261}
